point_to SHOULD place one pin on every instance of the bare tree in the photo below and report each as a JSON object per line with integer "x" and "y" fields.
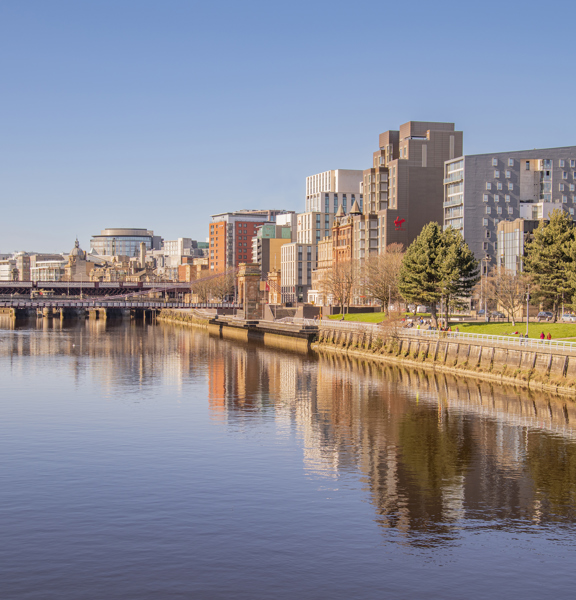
{"x": 222, "y": 285}
{"x": 202, "y": 288}
{"x": 381, "y": 275}
{"x": 508, "y": 289}
{"x": 339, "y": 281}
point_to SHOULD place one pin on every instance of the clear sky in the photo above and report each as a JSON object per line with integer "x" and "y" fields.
{"x": 157, "y": 114}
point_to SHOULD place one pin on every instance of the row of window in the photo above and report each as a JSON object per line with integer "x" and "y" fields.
{"x": 486, "y": 198}
{"x": 509, "y": 209}
{"x": 546, "y": 163}
{"x": 499, "y": 186}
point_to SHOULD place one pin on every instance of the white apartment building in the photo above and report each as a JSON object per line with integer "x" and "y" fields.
{"x": 325, "y": 192}
{"x": 8, "y": 269}
{"x": 311, "y": 227}
{"x": 179, "y": 247}
{"x": 298, "y": 261}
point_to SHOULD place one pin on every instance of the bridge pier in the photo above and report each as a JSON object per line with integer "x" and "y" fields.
{"x": 97, "y": 313}
{"x": 48, "y": 313}
{"x": 72, "y": 313}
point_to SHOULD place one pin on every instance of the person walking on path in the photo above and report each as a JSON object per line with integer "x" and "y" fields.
{"x": 549, "y": 336}
{"x": 542, "y": 336}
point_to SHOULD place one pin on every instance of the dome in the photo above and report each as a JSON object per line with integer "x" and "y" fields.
{"x": 77, "y": 252}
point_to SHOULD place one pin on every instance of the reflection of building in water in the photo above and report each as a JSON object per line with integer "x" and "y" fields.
{"x": 431, "y": 450}
{"x": 459, "y": 449}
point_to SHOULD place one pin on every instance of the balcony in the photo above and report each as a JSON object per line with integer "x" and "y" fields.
{"x": 456, "y": 176}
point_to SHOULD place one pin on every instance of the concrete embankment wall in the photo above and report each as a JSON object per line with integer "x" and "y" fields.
{"x": 285, "y": 338}
{"x": 183, "y": 316}
{"x": 548, "y": 368}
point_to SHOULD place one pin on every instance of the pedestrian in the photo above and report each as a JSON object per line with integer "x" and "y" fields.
{"x": 542, "y": 336}
{"x": 549, "y": 336}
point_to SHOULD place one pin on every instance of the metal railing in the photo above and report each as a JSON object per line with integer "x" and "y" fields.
{"x": 518, "y": 341}
{"x": 508, "y": 340}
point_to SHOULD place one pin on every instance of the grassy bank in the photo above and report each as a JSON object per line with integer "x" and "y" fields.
{"x": 556, "y": 330}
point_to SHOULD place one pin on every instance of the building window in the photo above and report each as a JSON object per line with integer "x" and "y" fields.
{"x": 571, "y": 187}
{"x": 510, "y": 186}
{"x": 496, "y": 198}
{"x": 496, "y": 174}
{"x": 561, "y": 163}
{"x": 508, "y": 174}
{"x": 506, "y": 198}
{"x": 487, "y": 231}
{"x": 510, "y": 162}
{"x": 494, "y": 162}
{"x": 484, "y": 245}
{"x": 485, "y": 223}
{"x": 564, "y": 199}
{"x": 488, "y": 210}
{"x": 564, "y": 175}
{"x": 572, "y": 163}
{"x": 499, "y": 210}
{"x": 488, "y": 185}
{"x": 510, "y": 210}
{"x": 571, "y": 211}
{"x": 527, "y": 165}
{"x": 498, "y": 186}
{"x": 561, "y": 187}
{"x": 485, "y": 198}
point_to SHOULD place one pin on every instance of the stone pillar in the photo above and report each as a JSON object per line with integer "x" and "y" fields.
{"x": 249, "y": 291}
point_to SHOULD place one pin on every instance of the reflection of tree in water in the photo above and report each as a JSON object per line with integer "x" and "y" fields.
{"x": 436, "y": 453}
{"x": 551, "y": 463}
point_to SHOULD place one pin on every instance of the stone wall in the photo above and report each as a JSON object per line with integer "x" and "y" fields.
{"x": 544, "y": 368}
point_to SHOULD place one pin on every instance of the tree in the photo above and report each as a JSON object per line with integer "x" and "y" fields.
{"x": 508, "y": 289}
{"x": 339, "y": 281}
{"x": 438, "y": 264}
{"x": 549, "y": 259}
{"x": 382, "y": 274}
{"x": 222, "y": 285}
{"x": 458, "y": 269}
{"x": 202, "y": 288}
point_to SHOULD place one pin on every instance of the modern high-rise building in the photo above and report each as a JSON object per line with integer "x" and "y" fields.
{"x": 298, "y": 260}
{"x": 325, "y": 192}
{"x": 231, "y": 236}
{"x": 403, "y": 190}
{"x": 482, "y": 190}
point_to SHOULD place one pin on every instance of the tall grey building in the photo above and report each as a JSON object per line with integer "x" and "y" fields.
{"x": 483, "y": 189}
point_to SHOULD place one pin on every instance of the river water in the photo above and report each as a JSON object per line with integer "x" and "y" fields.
{"x": 157, "y": 462}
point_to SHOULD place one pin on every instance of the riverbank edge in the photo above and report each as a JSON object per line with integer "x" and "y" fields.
{"x": 433, "y": 365}
{"x": 171, "y": 316}
{"x": 390, "y": 353}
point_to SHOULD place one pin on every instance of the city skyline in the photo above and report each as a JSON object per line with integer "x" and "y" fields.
{"x": 136, "y": 114}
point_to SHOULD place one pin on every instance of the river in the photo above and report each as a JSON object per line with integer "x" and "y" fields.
{"x": 152, "y": 461}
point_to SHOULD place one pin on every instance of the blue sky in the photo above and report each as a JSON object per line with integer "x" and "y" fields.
{"x": 134, "y": 113}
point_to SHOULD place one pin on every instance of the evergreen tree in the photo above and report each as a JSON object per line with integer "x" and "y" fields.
{"x": 549, "y": 260}
{"x": 458, "y": 269}
{"x": 438, "y": 264}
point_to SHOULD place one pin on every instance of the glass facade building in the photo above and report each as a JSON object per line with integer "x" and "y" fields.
{"x": 122, "y": 242}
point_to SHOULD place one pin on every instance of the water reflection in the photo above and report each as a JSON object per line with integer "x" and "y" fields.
{"x": 436, "y": 455}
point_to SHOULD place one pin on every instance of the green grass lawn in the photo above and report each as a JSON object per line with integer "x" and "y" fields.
{"x": 557, "y": 330}
{"x": 362, "y": 317}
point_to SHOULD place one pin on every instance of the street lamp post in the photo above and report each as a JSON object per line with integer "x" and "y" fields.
{"x": 527, "y": 308}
